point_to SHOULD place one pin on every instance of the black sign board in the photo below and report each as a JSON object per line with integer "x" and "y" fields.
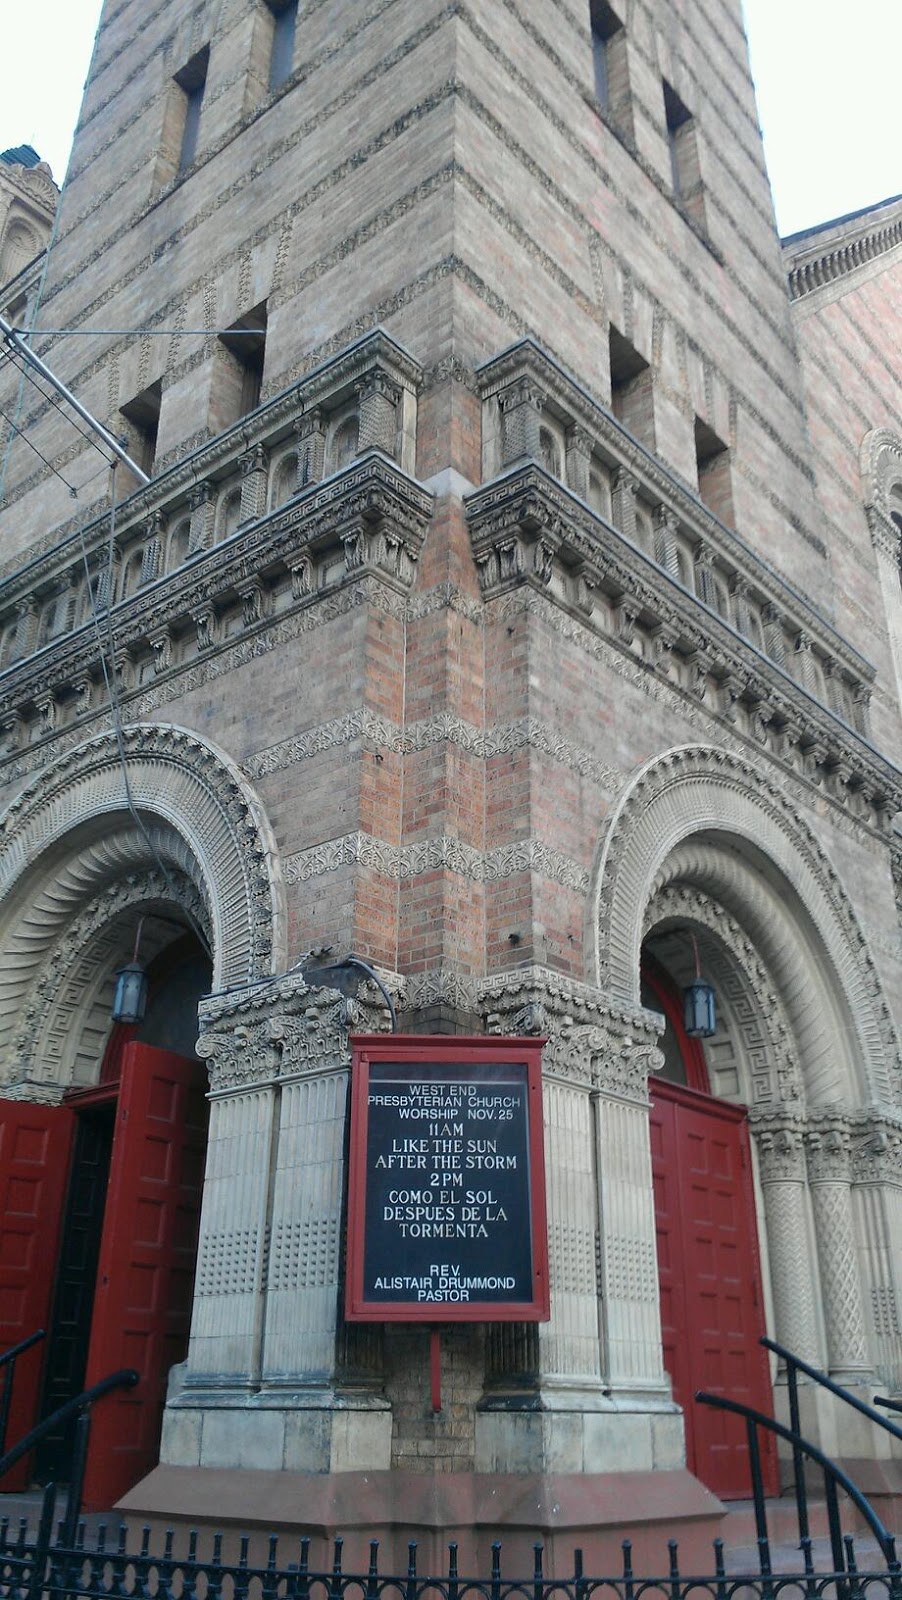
{"x": 447, "y": 1203}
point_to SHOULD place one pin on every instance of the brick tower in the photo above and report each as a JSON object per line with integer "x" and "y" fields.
{"x": 489, "y": 614}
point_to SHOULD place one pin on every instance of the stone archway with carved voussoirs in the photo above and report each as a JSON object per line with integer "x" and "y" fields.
{"x": 705, "y": 864}
{"x": 88, "y": 1111}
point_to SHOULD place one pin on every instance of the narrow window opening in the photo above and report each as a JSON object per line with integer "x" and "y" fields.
{"x": 632, "y": 397}
{"x": 715, "y": 478}
{"x": 143, "y": 417}
{"x": 192, "y": 81}
{"x": 679, "y": 121}
{"x": 605, "y": 25}
{"x": 246, "y": 341}
{"x": 281, "y": 58}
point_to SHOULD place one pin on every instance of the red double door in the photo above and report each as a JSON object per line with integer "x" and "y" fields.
{"x": 711, "y": 1308}
{"x": 138, "y": 1314}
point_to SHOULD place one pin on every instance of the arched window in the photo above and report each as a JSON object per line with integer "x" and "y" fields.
{"x": 549, "y": 453}
{"x": 229, "y": 514}
{"x": 344, "y": 442}
{"x": 179, "y": 544}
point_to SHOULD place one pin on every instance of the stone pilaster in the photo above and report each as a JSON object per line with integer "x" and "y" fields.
{"x": 253, "y": 484}
{"x": 379, "y": 399}
{"x": 579, "y": 457}
{"x": 521, "y": 409}
{"x": 202, "y": 502}
{"x": 310, "y": 433}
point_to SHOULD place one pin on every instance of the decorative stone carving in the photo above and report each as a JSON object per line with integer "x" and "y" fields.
{"x": 211, "y": 812}
{"x": 660, "y": 809}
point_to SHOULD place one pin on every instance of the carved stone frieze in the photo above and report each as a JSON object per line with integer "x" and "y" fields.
{"x": 592, "y": 1042}
{"x": 280, "y": 1028}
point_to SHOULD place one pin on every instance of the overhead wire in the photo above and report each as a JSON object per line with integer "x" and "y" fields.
{"x": 39, "y": 453}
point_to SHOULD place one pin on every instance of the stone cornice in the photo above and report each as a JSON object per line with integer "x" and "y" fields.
{"x": 561, "y": 396}
{"x": 527, "y": 529}
{"x": 367, "y": 521}
{"x": 821, "y": 259}
{"x": 326, "y": 386}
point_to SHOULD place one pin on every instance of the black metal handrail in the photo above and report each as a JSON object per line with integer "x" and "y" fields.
{"x": 795, "y": 1364}
{"x": 884, "y": 1400}
{"x": 834, "y": 1478}
{"x": 79, "y": 1407}
{"x": 8, "y": 1360}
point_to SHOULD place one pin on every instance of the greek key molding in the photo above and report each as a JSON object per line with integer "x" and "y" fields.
{"x": 749, "y": 988}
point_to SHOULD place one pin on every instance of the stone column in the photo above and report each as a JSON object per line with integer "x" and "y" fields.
{"x": 272, "y": 1379}
{"x": 601, "y": 1401}
{"x": 225, "y": 1350}
{"x": 781, "y": 1165}
{"x": 829, "y": 1175}
{"x": 877, "y": 1201}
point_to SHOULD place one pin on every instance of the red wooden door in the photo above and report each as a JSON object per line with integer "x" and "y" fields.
{"x": 35, "y": 1143}
{"x": 711, "y": 1311}
{"x": 145, "y": 1277}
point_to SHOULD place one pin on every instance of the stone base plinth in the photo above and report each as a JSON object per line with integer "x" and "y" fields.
{"x": 300, "y": 1437}
{"x": 556, "y": 1441}
{"x": 593, "y": 1512}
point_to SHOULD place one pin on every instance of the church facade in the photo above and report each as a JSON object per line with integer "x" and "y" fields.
{"x": 514, "y": 603}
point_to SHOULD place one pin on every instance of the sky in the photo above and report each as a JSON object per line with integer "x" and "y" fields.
{"x": 827, "y": 79}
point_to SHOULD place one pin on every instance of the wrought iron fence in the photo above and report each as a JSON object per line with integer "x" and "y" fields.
{"x": 106, "y": 1569}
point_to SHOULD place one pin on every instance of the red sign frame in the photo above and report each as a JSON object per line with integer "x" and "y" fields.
{"x": 427, "y": 1051}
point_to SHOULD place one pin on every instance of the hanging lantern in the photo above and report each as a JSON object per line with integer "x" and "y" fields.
{"x": 699, "y": 1016}
{"x": 130, "y": 999}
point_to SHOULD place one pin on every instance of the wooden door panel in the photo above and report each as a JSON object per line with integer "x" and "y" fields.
{"x": 35, "y": 1144}
{"x": 708, "y": 1264}
{"x": 147, "y": 1259}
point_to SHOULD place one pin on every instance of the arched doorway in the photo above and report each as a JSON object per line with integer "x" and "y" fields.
{"x": 186, "y": 846}
{"x": 712, "y": 1310}
{"x": 111, "y": 1248}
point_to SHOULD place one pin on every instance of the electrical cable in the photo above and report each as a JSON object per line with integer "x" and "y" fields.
{"x": 40, "y": 455}
{"x": 50, "y": 398}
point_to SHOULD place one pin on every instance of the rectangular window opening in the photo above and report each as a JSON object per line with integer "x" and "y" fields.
{"x": 281, "y": 59}
{"x": 715, "y": 477}
{"x": 605, "y": 24}
{"x": 143, "y": 417}
{"x": 246, "y": 341}
{"x": 192, "y": 79}
{"x": 632, "y": 396}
